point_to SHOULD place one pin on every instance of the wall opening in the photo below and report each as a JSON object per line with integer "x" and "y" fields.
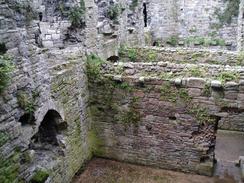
{"x": 27, "y": 119}
{"x": 3, "y": 49}
{"x": 51, "y": 126}
{"x": 145, "y": 14}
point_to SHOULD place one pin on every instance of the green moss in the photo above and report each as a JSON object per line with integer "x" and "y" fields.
{"x": 40, "y": 176}
{"x": 175, "y": 95}
{"x": 6, "y": 68}
{"x": 96, "y": 144}
{"x": 130, "y": 117}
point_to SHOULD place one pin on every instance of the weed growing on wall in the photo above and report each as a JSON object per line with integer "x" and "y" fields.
{"x": 27, "y": 101}
{"x": 77, "y": 15}
{"x": 6, "y": 68}
{"x": 114, "y": 12}
{"x": 226, "y": 16}
{"x": 228, "y": 76}
{"x": 173, "y": 94}
{"x": 40, "y": 176}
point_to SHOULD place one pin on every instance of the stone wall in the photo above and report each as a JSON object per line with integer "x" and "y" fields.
{"x": 165, "y": 113}
{"x": 189, "y": 19}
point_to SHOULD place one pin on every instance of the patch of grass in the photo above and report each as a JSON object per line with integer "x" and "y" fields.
{"x": 195, "y": 72}
{"x": 173, "y": 40}
{"x": 228, "y": 76}
{"x": 40, "y": 176}
{"x": 132, "y": 54}
{"x": 6, "y": 68}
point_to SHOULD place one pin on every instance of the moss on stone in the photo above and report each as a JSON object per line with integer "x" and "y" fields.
{"x": 40, "y": 176}
{"x": 95, "y": 144}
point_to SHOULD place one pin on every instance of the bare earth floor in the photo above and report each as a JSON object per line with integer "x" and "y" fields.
{"x": 108, "y": 171}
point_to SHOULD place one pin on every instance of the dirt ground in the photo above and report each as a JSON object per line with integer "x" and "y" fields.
{"x": 108, "y": 171}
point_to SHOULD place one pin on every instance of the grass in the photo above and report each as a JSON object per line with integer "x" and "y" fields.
{"x": 6, "y": 68}
{"x": 228, "y": 76}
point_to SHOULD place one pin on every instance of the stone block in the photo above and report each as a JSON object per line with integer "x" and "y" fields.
{"x": 196, "y": 82}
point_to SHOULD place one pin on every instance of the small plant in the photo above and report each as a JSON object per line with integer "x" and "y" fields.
{"x": 228, "y": 76}
{"x": 77, "y": 15}
{"x": 40, "y": 176}
{"x": 94, "y": 67}
{"x": 168, "y": 93}
{"x": 207, "y": 90}
{"x": 6, "y": 67}
{"x": 132, "y": 54}
{"x": 27, "y": 101}
{"x": 240, "y": 58}
{"x": 173, "y": 40}
{"x": 195, "y": 72}
{"x": 130, "y": 117}
{"x": 113, "y": 12}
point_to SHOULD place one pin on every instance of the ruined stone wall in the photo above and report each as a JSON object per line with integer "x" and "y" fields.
{"x": 190, "y": 18}
{"x": 48, "y": 42}
{"x": 164, "y": 111}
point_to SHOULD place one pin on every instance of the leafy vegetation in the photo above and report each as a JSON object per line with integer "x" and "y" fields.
{"x": 173, "y": 40}
{"x": 231, "y": 11}
{"x": 9, "y": 168}
{"x": 174, "y": 94}
{"x": 228, "y": 76}
{"x": 77, "y": 15}
{"x": 114, "y": 12}
{"x": 27, "y": 101}
{"x": 6, "y": 67}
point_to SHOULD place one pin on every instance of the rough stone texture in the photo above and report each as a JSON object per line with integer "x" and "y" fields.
{"x": 49, "y": 56}
{"x": 188, "y": 18}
